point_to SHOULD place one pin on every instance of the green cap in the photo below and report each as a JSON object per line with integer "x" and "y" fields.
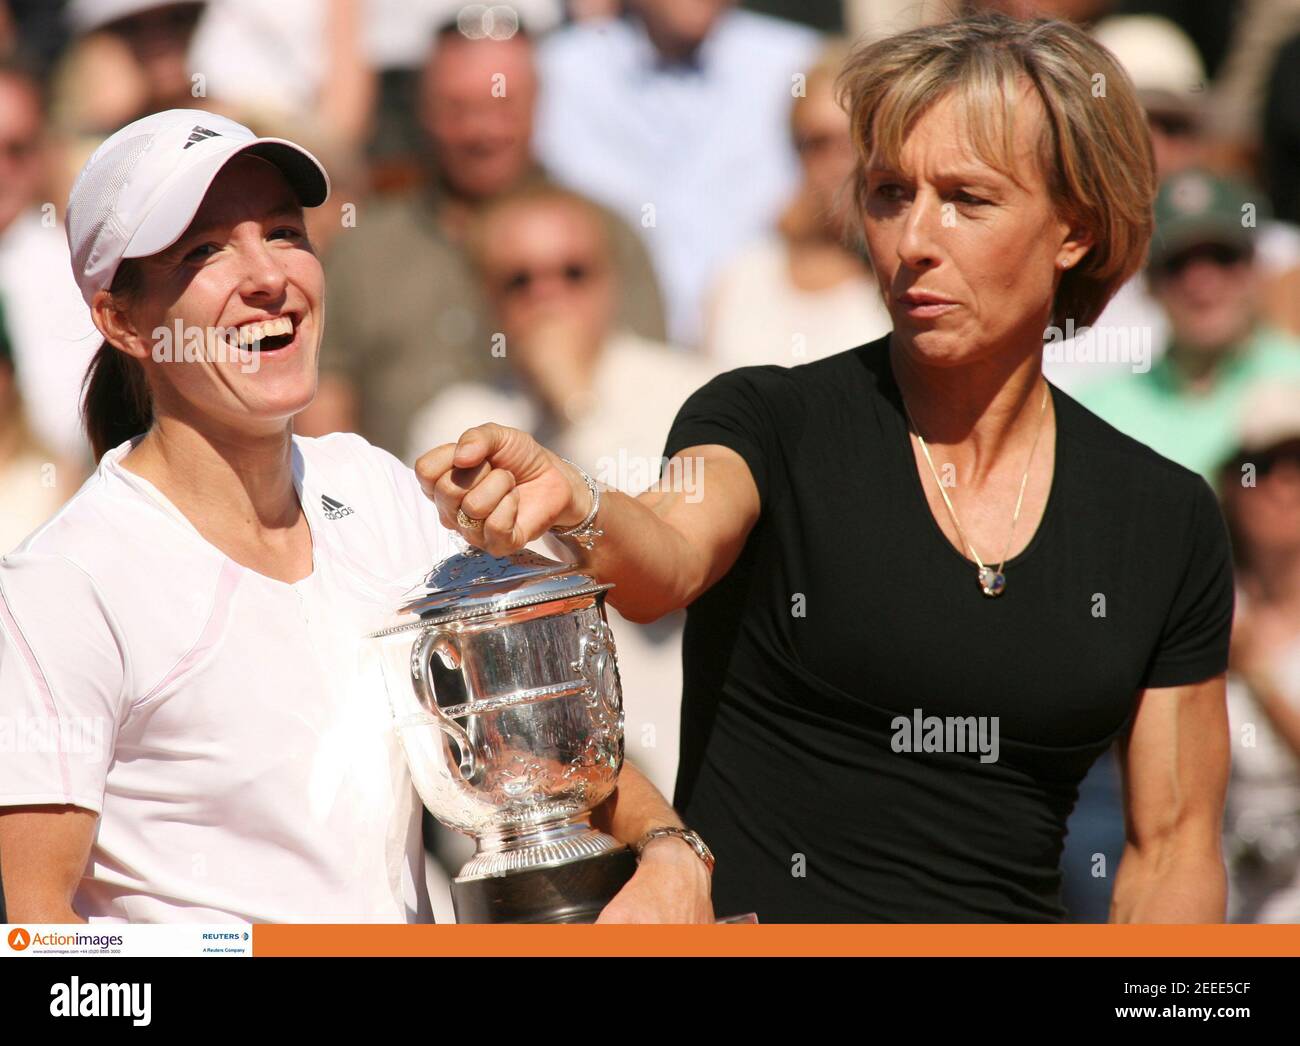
{"x": 1197, "y": 206}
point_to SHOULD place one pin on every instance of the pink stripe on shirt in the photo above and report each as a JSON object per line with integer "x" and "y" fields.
{"x": 221, "y": 601}
{"x": 42, "y": 687}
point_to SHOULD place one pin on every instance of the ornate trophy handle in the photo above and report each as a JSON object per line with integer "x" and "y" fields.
{"x": 596, "y": 655}
{"x": 441, "y": 642}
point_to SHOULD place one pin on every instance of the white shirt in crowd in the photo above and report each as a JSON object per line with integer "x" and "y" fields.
{"x": 225, "y": 726}
{"x": 260, "y": 56}
{"x": 757, "y": 314}
{"x": 275, "y": 57}
{"x": 51, "y": 331}
{"x": 696, "y": 155}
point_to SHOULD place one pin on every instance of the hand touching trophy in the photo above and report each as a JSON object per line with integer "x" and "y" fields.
{"x": 502, "y": 675}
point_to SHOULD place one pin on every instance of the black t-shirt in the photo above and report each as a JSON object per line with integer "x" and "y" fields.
{"x": 848, "y": 609}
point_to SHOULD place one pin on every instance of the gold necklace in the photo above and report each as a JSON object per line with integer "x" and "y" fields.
{"x": 992, "y": 582}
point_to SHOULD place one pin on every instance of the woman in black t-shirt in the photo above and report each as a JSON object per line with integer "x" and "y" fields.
{"x": 925, "y": 588}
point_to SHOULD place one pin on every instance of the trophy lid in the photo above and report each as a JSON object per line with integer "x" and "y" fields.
{"x": 473, "y": 583}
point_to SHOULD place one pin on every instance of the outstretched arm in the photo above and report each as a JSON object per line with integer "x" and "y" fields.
{"x": 661, "y": 550}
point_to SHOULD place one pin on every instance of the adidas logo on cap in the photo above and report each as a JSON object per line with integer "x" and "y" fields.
{"x": 334, "y": 509}
{"x": 199, "y": 134}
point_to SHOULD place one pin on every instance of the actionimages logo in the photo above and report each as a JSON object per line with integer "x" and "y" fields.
{"x": 20, "y": 939}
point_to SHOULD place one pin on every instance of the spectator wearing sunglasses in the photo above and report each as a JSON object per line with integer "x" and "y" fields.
{"x": 1203, "y": 271}
{"x": 1260, "y": 486}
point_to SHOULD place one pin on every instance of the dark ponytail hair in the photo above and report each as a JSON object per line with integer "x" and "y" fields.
{"x": 116, "y": 403}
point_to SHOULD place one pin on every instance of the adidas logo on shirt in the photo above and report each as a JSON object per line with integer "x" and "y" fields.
{"x": 198, "y": 135}
{"x": 334, "y": 509}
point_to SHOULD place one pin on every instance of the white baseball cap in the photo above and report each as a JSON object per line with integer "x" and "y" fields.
{"x": 1160, "y": 59}
{"x": 140, "y": 190}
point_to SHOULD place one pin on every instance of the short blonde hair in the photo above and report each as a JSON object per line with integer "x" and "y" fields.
{"x": 1095, "y": 151}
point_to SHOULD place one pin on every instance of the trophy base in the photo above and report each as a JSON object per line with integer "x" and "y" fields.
{"x": 573, "y": 892}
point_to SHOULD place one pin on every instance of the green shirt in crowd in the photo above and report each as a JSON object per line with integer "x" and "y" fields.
{"x": 1197, "y": 429}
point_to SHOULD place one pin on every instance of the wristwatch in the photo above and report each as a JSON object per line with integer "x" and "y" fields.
{"x": 690, "y": 837}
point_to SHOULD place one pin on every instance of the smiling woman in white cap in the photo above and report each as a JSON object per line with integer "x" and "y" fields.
{"x": 179, "y": 645}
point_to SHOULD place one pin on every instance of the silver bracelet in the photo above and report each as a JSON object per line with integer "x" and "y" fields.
{"x": 586, "y": 532}
{"x": 687, "y": 835}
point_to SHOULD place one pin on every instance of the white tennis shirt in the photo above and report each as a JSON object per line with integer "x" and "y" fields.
{"x": 225, "y": 726}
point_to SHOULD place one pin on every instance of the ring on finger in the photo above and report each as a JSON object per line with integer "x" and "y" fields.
{"x": 468, "y": 522}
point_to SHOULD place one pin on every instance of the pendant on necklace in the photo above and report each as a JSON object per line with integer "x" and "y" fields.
{"x": 992, "y": 582}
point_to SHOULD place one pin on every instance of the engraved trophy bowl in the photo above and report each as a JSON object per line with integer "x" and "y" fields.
{"x": 503, "y": 683}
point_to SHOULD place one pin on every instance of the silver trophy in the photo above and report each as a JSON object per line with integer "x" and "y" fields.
{"x": 504, "y": 687}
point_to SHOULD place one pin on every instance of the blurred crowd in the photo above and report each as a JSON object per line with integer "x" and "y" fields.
{"x": 566, "y": 217}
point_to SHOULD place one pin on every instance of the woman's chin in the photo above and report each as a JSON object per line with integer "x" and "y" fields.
{"x": 279, "y": 407}
{"x": 935, "y": 348}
